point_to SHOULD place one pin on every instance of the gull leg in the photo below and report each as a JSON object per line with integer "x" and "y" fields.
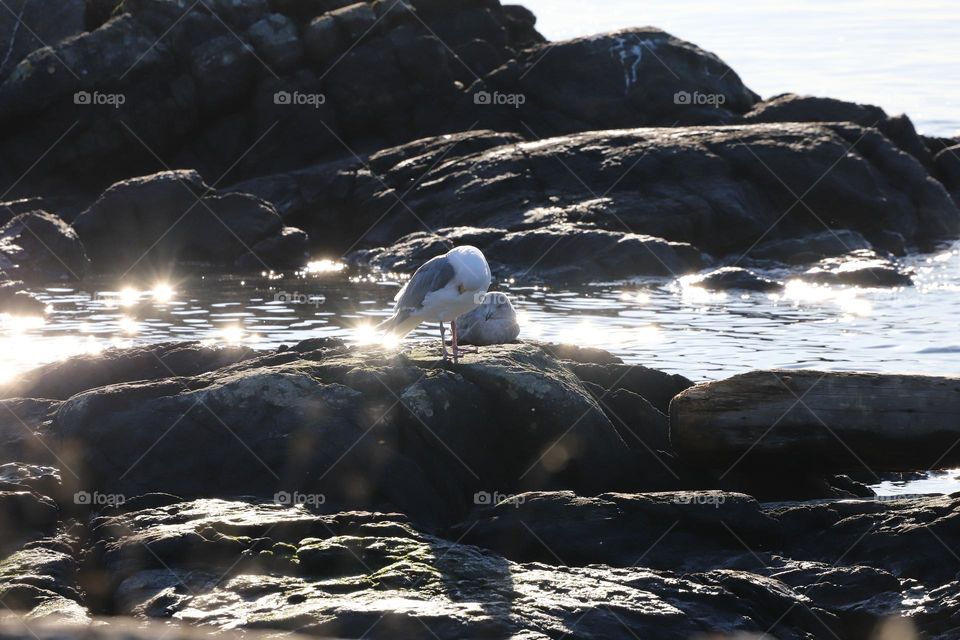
{"x": 443, "y": 343}
{"x": 457, "y": 349}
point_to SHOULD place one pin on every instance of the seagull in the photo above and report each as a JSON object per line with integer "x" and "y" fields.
{"x": 493, "y": 322}
{"x": 441, "y": 290}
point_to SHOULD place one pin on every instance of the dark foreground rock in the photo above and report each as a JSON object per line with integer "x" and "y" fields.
{"x": 368, "y": 429}
{"x": 535, "y": 565}
{"x": 364, "y": 492}
{"x": 810, "y": 419}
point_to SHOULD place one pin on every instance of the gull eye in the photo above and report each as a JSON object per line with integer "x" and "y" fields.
{"x": 460, "y": 288}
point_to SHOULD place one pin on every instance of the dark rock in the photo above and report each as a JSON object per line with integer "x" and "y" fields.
{"x": 15, "y": 476}
{"x": 66, "y": 208}
{"x": 732, "y": 278}
{"x": 637, "y": 77}
{"x": 574, "y": 353}
{"x": 322, "y": 40}
{"x": 891, "y": 242}
{"x": 710, "y": 187}
{"x": 859, "y": 269}
{"x": 277, "y": 41}
{"x": 224, "y": 70}
{"x": 640, "y": 424}
{"x": 657, "y": 387}
{"x": 411, "y": 251}
{"x": 22, "y": 426}
{"x": 197, "y": 82}
{"x": 845, "y": 421}
{"x": 270, "y": 421}
{"x": 338, "y": 574}
{"x": 793, "y": 108}
{"x": 812, "y": 248}
{"x": 40, "y": 247}
{"x": 28, "y": 25}
{"x": 169, "y": 217}
{"x": 39, "y": 580}
{"x": 60, "y": 380}
{"x": 546, "y": 252}
{"x": 15, "y": 299}
{"x": 947, "y": 163}
{"x": 287, "y": 249}
{"x": 624, "y": 529}
{"x": 25, "y": 514}
{"x": 112, "y": 628}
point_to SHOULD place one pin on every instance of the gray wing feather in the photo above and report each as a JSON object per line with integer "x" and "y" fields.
{"x": 434, "y": 274}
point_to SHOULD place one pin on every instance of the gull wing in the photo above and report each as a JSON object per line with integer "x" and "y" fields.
{"x": 433, "y": 275}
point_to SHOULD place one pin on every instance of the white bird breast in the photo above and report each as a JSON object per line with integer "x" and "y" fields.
{"x": 448, "y": 304}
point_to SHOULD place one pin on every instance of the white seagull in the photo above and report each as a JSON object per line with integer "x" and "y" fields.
{"x": 441, "y": 290}
{"x": 493, "y": 322}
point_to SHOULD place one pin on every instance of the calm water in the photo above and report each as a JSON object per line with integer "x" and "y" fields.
{"x": 656, "y": 322}
{"x": 901, "y": 55}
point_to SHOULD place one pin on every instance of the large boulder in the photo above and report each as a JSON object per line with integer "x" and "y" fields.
{"x": 793, "y": 108}
{"x": 62, "y": 379}
{"x": 173, "y": 216}
{"x": 40, "y": 247}
{"x": 636, "y": 77}
{"x": 834, "y": 422}
{"x": 723, "y": 190}
{"x": 365, "y": 429}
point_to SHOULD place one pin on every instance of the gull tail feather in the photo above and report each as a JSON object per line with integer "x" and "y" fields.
{"x": 399, "y": 325}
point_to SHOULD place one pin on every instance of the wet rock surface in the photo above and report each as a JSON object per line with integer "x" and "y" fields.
{"x": 360, "y": 125}
{"x": 175, "y": 217}
{"x": 588, "y": 196}
{"x": 530, "y": 491}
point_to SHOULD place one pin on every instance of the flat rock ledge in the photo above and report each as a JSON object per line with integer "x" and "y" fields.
{"x": 531, "y": 491}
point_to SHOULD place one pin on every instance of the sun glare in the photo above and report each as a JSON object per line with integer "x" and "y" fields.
{"x": 162, "y": 293}
{"x": 324, "y": 266}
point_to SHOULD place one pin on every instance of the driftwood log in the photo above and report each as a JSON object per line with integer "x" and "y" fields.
{"x": 817, "y": 420}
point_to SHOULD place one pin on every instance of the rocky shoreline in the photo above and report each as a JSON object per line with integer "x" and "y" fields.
{"x": 533, "y": 490}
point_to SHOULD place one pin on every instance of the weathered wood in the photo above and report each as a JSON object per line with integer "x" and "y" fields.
{"x": 818, "y": 420}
